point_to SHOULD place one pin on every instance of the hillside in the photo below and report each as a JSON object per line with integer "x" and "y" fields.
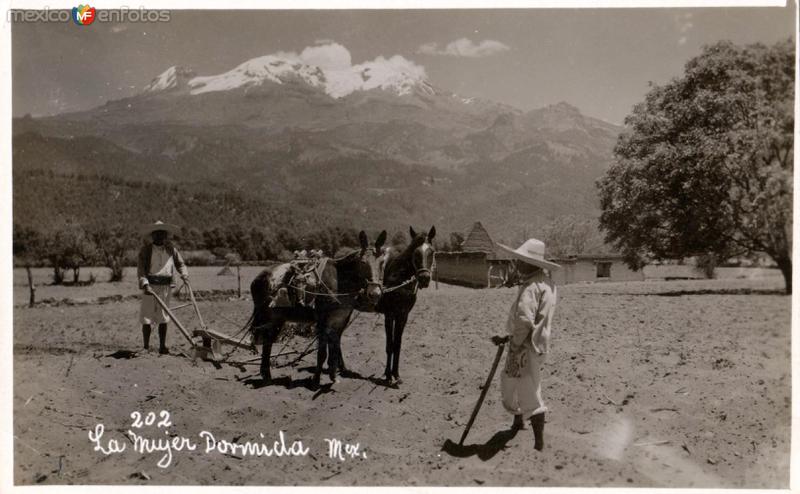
{"x": 393, "y": 149}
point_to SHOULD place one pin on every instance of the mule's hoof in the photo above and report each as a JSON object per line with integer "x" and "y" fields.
{"x": 396, "y": 380}
{"x": 315, "y": 380}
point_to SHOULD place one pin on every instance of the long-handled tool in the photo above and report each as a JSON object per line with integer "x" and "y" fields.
{"x": 211, "y": 345}
{"x": 501, "y": 344}
{"x": 163, "y": 305}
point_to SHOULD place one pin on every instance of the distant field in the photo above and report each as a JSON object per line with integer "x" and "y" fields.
{"x": 200, "y": 277}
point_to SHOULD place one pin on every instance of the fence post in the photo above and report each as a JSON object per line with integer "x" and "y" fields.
{"x": 435, "y": 273}
{"x": 238, "y": 281}
{"x": 31, "y": 287}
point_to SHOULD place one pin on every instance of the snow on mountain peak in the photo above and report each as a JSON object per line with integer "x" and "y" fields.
{"x": 171, "y": 78}
{"x": 276, "y": 68}
{"x": 395, "y": 73}
{"x": 327, "y": 66}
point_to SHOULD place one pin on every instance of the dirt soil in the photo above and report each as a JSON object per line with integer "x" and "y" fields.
{"x": 669, "y": 384}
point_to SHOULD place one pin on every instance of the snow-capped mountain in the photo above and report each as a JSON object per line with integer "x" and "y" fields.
{"x": 379, "y": 132}
{"x": 395, "y": 74}
{"x": 173, "y": 77}
{"x": 317, "y": 89}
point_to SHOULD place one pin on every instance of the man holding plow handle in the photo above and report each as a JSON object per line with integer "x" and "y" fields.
{"x": 158, "y": 262}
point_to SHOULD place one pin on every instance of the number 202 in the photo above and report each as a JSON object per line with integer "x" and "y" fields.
{"x": 150, "y": 419}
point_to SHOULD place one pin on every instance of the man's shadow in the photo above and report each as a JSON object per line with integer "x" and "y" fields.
{"x": 484, "y": 451}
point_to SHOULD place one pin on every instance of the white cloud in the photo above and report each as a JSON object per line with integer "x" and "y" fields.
{"x": 428, "y": 49}
{"x": 394, "y": 71}
{"x": 464, "y": 47}
{"x": 683, "y": 25}
{"x": 328, "y": 56}
{"x": 683, "y": 22}
{"x": 343, "y": 77}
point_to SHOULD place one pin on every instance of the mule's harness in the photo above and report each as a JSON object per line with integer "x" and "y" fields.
{"x": 414, "y": 279}
{"x": 330, "y": 293}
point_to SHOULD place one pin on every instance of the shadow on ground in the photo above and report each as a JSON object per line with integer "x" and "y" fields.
{"x": 485, "y": 451}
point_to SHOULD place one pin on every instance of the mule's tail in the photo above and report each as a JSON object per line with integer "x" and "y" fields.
{"x": 259, "y": 290}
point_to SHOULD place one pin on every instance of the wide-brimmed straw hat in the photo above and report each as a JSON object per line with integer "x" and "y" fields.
{"x": 159, "y": 225}
{"x": 532, "y": 252}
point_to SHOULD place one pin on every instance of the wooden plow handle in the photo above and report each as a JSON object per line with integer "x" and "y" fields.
{"x": 500, "y": 347}
{"x": 171, "y": 316}
{"x": 194, "y": 303}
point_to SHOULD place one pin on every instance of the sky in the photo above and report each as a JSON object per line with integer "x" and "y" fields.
{"x": 600, "y": 60}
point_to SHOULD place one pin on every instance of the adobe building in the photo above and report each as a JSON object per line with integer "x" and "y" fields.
{"x": 583, "y": 268}
{"x": 480, "y": 264}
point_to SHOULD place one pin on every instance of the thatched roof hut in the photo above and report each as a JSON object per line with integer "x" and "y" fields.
{"x": 478, "y": 240}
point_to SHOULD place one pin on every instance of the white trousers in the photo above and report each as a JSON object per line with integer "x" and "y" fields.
{"x": 523, "y": 395}
{"x": 150, "y": 312}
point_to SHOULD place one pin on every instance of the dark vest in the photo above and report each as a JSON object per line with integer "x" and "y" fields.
{"x": 146, "y": 253}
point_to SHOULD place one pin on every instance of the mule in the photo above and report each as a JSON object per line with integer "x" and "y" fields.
{"x": 403, "y": 274}
{"x": 347, "y": 283}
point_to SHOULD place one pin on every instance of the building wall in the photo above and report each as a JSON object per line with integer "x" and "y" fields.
{"x": 583, "y": 270}
{"x": 472, "y": 269}
{"x": 619, "y": 272}
{"x": 462, "y": 268}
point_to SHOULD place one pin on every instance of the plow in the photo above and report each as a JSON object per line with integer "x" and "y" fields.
{"x": 206, "y": 343}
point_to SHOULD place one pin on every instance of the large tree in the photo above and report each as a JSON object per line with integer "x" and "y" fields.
{"x": 705, "y": 165}
{"x": 112, "y": 246}
{"x": 69, "y": 248}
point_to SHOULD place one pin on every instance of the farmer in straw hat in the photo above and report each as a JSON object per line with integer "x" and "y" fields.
{"x": 528, "y": 338}
{"x": 158, "y": 261}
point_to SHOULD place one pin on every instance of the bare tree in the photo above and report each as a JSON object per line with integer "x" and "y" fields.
{"x": 27, "y": 247}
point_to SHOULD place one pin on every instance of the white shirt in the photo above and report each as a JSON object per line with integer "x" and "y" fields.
{"x": 530, "y": 316}
{"x": 161, "y": 263}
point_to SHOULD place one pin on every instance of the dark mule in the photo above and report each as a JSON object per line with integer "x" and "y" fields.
{"x": 347, "y": 283}
{"x": 403, "y": 274}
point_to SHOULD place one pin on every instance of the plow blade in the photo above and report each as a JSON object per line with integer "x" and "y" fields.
{"x": 217, "y": 337}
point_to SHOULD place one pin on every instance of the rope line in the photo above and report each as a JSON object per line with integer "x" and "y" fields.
{"x": 328, "y": 294}
{"x": 413, "y": 279}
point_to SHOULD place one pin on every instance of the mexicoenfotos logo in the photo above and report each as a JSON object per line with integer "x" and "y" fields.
{"x": 83, "y": 15}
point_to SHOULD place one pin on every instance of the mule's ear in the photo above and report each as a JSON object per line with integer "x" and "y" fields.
{"x": 431, "y": 233}
{"x": 362, "y": 238}
{"x": 412, "y": 233}
{"x": 380, "y": 241}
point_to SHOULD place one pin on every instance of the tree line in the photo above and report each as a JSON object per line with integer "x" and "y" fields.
{"x": 73, "y": 246}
